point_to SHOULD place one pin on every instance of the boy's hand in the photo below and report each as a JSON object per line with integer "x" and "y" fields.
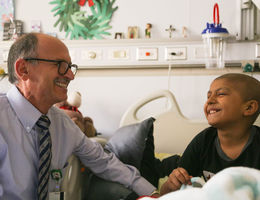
{"x": 155, "y": 195}
{"x": 178, "y": 177}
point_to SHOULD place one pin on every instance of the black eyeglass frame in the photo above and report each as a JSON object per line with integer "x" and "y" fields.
{"x": 58, "y": 63}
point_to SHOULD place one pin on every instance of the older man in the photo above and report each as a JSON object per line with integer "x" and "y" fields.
{"x": 36, "y": 139}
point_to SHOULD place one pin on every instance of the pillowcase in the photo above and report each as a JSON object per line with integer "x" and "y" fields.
{"x": 134, "y": 145}
{"x": 129, "y": 142}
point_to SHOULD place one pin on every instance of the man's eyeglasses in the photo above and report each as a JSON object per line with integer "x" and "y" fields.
{"x": 63, "y": 66}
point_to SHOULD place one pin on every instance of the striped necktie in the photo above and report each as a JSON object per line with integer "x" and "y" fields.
{"x": 45, "y": 156}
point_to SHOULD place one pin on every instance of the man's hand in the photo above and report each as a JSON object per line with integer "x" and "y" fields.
{"x": 178, "y": 177}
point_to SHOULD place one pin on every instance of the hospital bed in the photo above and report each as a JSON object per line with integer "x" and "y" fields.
{"x": 172, "y": 133}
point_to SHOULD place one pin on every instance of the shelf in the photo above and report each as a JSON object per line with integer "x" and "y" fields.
{"x": 124, "y": 53}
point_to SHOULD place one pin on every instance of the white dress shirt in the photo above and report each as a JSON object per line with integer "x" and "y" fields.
{"x": 19, "y": 150}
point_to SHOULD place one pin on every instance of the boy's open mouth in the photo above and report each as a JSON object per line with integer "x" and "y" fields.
{"x": 213, "y": 111}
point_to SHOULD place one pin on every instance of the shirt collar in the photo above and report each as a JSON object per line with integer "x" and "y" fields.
{"x": 25, "y": 111}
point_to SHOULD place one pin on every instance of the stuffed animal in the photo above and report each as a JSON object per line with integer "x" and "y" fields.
{"x": 70, "y": 107}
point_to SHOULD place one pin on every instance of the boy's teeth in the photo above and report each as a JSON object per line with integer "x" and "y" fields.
{"x": 212, "y": 111}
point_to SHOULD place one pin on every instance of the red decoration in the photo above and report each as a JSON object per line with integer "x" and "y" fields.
{"x": 82, "y": 2}
{"x": 90, "y": 3}
{"x": 73, "y": 108}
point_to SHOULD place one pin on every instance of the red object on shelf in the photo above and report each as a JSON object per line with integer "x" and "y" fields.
{"x": 147, "y": 53}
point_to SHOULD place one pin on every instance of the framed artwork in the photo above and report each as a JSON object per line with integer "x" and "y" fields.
{"x": 36, "y": 26}
{"x": 6, "y": 12}
{"x": 132, "y": 32}
{"x": 12, "y": 29}
{"x": 119, "y": 36}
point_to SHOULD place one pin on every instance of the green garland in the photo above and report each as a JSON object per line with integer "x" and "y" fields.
{"x": 75, "y": 22}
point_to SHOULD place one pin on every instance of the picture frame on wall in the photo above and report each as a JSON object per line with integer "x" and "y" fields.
{"x": 12, "y": 30}
{"x": 132, "y": 32}
{"x": 6, "y": 12}
{"x": 119, "y": 35}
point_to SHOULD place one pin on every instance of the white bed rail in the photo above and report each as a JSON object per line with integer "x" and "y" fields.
{"x": 172, "y": 130}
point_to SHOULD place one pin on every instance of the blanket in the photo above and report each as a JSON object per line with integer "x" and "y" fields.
{"x": 234, "y": 183}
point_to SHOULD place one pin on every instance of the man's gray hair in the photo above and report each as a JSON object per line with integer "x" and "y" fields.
{"x": 24, "y": 46}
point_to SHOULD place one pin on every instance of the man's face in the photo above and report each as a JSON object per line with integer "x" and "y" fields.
{"x": 224, "y": 106}
{"x": 45, "y": 84}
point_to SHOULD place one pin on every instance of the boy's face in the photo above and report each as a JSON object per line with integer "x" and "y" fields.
{"x": 224, "y": 106}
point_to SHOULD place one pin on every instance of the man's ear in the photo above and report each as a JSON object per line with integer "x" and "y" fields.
{"x": 21, "y": 69}
{"x": 251, "y": 107}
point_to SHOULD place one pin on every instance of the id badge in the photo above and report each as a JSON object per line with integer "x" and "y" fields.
{"x": 57, "y": 196}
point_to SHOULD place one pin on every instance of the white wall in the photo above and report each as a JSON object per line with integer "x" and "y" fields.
{"x": 192, "y": 14}
{"x": 106, "y": 94}
{"x": 106, "y": 98}
{"x": 189, "y": 13}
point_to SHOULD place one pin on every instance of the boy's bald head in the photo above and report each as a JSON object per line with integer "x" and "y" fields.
{"x": 247, "y": 86}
